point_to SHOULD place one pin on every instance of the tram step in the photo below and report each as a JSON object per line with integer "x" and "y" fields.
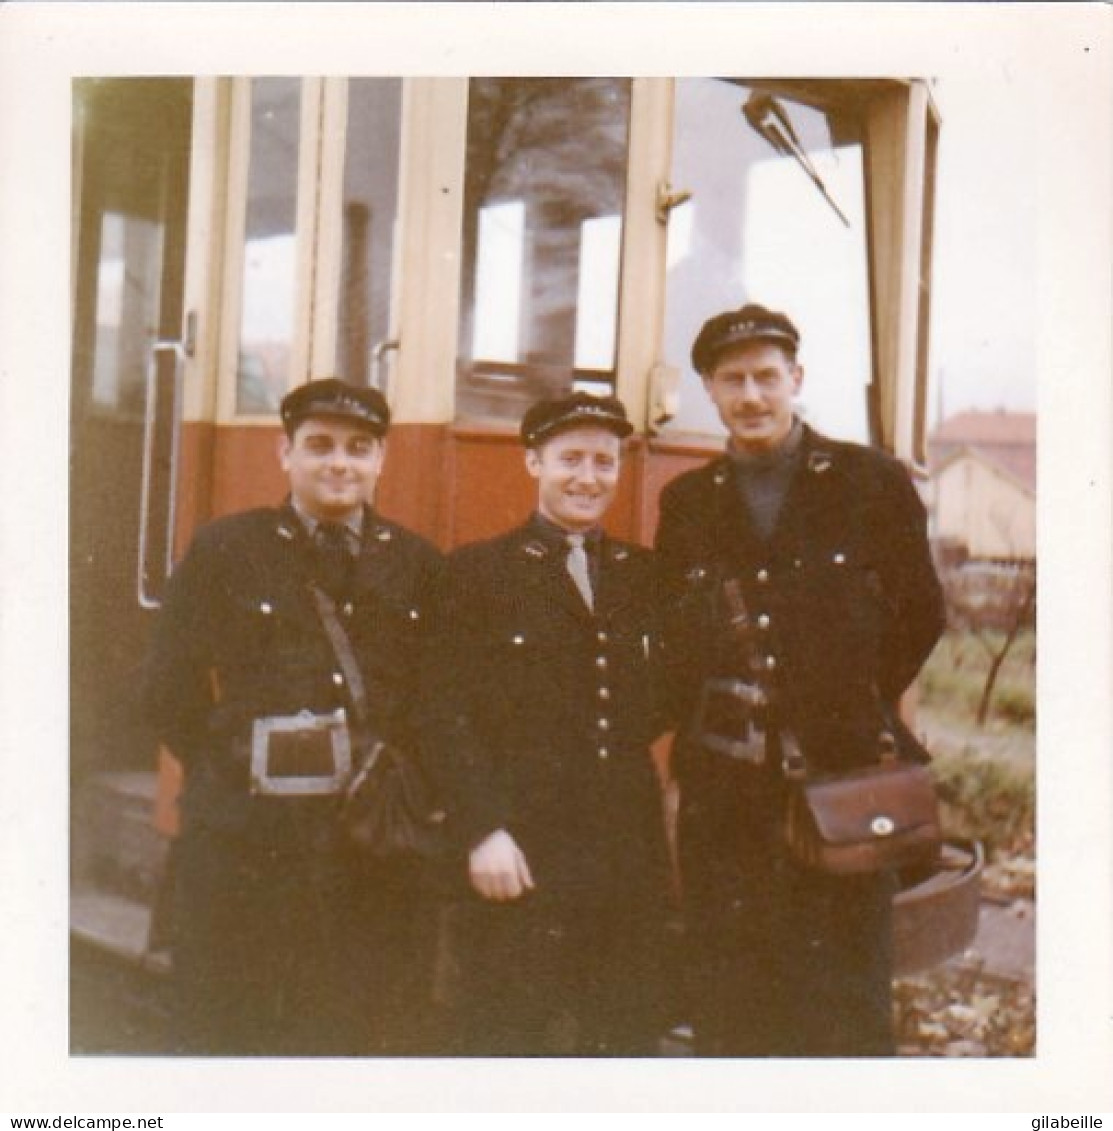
{"x": 115, "y": 925}
{"x": 114, "y": 845}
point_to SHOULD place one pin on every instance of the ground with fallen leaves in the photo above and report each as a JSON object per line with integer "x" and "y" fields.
{"x": 986, "y": 778}
{"x": 964, "y": 1012}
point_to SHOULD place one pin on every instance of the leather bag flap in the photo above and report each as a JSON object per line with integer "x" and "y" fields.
{"x": 873, "y": 805}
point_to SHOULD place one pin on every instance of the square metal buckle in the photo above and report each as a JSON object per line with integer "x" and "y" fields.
{"x": 301, "y": 755}
{"x": 729, "y": 720}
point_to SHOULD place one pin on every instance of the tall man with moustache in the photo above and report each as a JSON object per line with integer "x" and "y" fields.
{"x": 548, "y": 706}
{"x": 283, "y": 943}
{"x": 801, "y": 578}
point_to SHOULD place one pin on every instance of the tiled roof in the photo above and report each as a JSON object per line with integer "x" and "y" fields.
{"x": 1006, "y": 439}
{"x": 982, "y": 428}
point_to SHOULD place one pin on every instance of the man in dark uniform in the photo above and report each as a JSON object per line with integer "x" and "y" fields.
{"x": 285, "y": 944}
{"x": 801, "y": 578}
{"x": 548, "y": 699}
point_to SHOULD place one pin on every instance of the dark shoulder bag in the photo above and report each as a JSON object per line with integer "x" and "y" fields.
{"x": 387, "y": 808}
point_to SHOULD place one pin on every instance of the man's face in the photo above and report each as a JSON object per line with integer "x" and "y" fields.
{"x": 753, "y": 386}
{"x": 332, "y": 466}
{"x": 577, "y": 475}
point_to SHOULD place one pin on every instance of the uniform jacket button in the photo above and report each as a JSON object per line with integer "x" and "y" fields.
{"x": 763, "y": 620}
{"x": 338, "y": 679}
{"x": 763, "y": 575}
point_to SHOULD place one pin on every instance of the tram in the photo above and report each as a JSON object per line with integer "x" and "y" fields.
{"x": 466, "y": 245}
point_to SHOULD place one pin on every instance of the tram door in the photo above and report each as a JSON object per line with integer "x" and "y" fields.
{"x": 131, "y": 170}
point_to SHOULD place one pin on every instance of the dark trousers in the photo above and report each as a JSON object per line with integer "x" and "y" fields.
{"x": 781, "y": 961}
{"x": 285, "y": 948}
{"x": 568, "y": 977}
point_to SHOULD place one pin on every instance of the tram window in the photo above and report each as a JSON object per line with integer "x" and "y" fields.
{"x": 543, "y": 200}
{"x": 269, "y": 271}
{"x": 776, "y": 216}
{"x": 370, "y": 208}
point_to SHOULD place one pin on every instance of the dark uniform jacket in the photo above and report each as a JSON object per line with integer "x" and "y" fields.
{"x": 282, "y": 943}
{"x": 843, "y": 606}
{"x": 843, "y": 595}
{"x": 548, "y": 709}
{"x": 239, "y": 637}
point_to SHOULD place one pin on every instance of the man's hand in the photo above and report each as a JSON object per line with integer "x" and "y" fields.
{"x": 497, "y": 868}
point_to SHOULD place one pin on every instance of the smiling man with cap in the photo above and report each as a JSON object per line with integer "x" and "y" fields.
{"x": 551, "y": 663}
{"x": 282, "y": 943}
{"x": 803, "y": 592}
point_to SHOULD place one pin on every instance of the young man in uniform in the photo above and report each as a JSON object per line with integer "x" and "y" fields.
{"x": 801, "y": 578}
{"x": 283, "y": 943}
{"x": 551, "y": 659}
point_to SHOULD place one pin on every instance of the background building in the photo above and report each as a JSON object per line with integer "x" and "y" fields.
{"x": 983, "y": 486}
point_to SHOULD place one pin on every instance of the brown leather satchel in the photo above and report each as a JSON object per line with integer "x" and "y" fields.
{"x": 881, "y": 816}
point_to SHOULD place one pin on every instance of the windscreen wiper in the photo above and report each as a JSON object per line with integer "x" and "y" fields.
{"x": 769, "y": 118}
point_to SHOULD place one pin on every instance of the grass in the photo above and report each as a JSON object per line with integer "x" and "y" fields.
{"x": 988, "y": 799}
{"x": 986, "y": 776}
{"x": 954, "y": 676}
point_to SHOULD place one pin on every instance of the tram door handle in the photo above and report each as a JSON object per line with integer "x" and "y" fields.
{"x": 378, "y": 354}
{"x": 158, "y": 486}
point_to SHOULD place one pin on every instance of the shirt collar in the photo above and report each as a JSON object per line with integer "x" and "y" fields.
{"x": 783, "y": 453}
{"x": 353, "y": 523}
{"x": 555, "y": 534}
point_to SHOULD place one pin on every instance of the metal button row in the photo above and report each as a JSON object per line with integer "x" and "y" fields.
{"x": 604, "y": 693}
{"x": 603, "y": 724}
{"x": 266, "y": 608}
{"x": 763, "y": 574}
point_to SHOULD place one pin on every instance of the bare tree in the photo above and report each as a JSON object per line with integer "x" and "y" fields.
{"x": 994, "y": 603}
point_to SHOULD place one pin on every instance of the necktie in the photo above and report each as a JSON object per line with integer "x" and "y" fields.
{"x": 334, "y": 559}
{"x": 578, "y": 568}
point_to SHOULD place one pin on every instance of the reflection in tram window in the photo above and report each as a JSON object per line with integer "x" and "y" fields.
{"x": 128, "y": 287}
{"x": 370, "y": 208}
{"x": 269, "y": 272}
{"x": 775, "y": 216}
{"x": 545, "y": 182}
{"x": 498, "y": 281}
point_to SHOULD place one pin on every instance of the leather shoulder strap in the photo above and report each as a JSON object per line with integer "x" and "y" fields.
{"x": 345, "y": 657}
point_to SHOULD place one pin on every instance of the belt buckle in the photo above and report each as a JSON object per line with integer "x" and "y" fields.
{"x": 729, "y": 720}
{"x": 303, "y": 755}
